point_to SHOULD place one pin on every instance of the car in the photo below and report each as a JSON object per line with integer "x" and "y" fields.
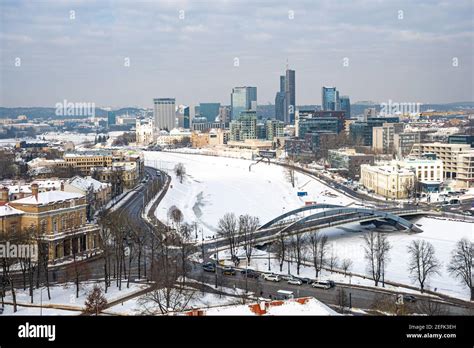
{"x": 409, "y": 298}
{"x": 321, "y": 285}
{"x": 271, "y": 277}
{"x": 286, "y": 277}
{"x": 209, "y": 268}
{"x": 228, "y": 271}
{"x": 294, "y": 281}
{"x": 332, "y": 284}
{"x": 250, "y": 273}
{"x": 304, "y": 280}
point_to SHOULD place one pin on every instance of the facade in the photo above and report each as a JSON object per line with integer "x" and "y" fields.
{"x": 209, "y": 110}
{"x": 183, "y": 117}
{"x": 243, "y": 99}
{"x": 274, "y": 128}
{"x": 245, "y": 127}
{"x": 84, "y": 161}
{"x": 458, "y": 160}
{"x": 97, "y": 193}
{"x": 224, "y": 114}
{"x": 58, "y": 218}
{"x": 429, "y": 172}
{"x": 363, "y": 131}
{"x": 212, "y": 138}
{"x": 164, "y": 113}
{"x": 349, "y": 161}
{"x": 389, "y": 181}
{"x": 290, "y": 97}
{"x": 330, "y": 99}
{"x": 403, "y": 142}
{"x": 461, "y": 139}
{"x": 383, "y": 137}
{"x": 145, "y": 131}
{"x": 346, "y": 105}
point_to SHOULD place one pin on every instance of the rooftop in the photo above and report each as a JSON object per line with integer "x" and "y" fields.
{"x": 6, "y": 210}
{"x": 48, "y": 197}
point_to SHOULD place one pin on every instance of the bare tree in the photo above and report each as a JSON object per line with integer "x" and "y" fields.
{"x": 333, "y": 260}
{"x": 180, "y": 172}
{"x": 318, "y": 248}
{"x": 290, "y": 173}
{"x": 377, "y": 247}
{"x": 176, "y": 216}
{"x": 247, "y": 227}
{"x": 346, "y": 265}
{"x": 228, "y": 228}
{"x": 430, "y": 307}
{"x": 297, "y": 242}
{"x": 461, "y": 263}
{"x": 422, "y": 261}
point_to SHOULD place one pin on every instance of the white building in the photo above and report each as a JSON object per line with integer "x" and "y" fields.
{"x": 429, "y": 172}
{"x": 145, "y": 131}
{"x": 390, "y": 181}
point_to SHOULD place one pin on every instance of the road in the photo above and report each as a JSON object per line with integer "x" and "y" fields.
{"x": 360, "y": 297}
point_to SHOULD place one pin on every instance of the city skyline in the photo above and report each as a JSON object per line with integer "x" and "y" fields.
{"x": 130, "y": 53}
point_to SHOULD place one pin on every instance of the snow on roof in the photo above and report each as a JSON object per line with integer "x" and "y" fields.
{"x": 6, "y": 210}
{"x": 300, "y": 306}
{"x": 48, "y": 197}
{"x": 85, "y": 183}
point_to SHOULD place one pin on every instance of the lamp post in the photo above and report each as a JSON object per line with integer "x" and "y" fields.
{"x": 41, "y": 302}
{"x": 217, "y": 257}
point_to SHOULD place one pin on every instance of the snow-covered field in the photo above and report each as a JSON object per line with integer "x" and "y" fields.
{"x": 64, "y": 296}
{"x": 214, "y": 186}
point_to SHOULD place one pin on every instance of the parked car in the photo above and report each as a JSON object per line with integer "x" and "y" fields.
{"x": 228, "y": 271}
{"x": 271, "y": 277}
{"x": 409, "y": 298}
{"x": 250, "y": 273}
{"x": 294, "y": 281}
{"x": 286, "y": 276}
{"x": 304, "y": 280}
{"x": 321, "y": 285}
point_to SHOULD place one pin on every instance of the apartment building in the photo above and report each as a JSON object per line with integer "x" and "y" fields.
{"x": 84, "y": 161}
{"x": 458, "y": 161}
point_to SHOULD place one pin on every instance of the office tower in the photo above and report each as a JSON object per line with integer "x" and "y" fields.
{"x": 111, "y": 117}
{"x": 164, "y": 113}
{"x": 330, "y": 99}
{"x": 182, "y": 113}
{"x": 209, "y": 110}
{"x": 346, "y": 105}
{"x": 224, "y": 114}
{"x": 243, "y": 99}
{"x": 280, "y": 101}
{"x": 244, "y": 127}
{"x": 290, "y": 96}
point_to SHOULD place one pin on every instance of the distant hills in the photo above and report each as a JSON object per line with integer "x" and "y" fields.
{"x": 265, "y": 111}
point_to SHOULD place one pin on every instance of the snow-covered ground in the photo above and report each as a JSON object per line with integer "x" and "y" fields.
{"x": 64, "y": 295}
{"x": 214, "y": 186}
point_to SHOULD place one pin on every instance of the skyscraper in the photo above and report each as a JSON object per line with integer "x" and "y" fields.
{"x": 290, "y": 96}
{"x": 164, "y": 113}
{"x": 209, "y": 110}
{"x": 346, "y": 105}
{"x": 280, "y": 101}
{"x": 182, "y": 114}
{"x": 330, "y": 99}
{"x": 243, "y": 99}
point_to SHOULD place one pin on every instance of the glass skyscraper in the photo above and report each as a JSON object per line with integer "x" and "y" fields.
{"x": 346, "y": 105}
{"x": 330, "y": 99}
{"x": 290, "y": 96}
{"x": 209, "y": 110}
{"x": 243, "y": 99}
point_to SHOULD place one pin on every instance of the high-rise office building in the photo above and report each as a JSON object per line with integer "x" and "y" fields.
{"x": 243, "y": 99}
{"x": 164, "y": 113}
{"x": 330, "y": 99}
{"x": 182, "y": 113}
{"x": 346, "y": 105}
{"x": 111, "y": 118}
{"x": 290, "y": 96}
{"x": 224, "y": 114}
{"x": 209, "y": 110}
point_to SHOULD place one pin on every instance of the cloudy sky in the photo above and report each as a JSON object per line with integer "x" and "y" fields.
{"x": 406, "y": 51}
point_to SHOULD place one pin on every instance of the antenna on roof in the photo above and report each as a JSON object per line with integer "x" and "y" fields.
{"x": 286, "y": 63}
